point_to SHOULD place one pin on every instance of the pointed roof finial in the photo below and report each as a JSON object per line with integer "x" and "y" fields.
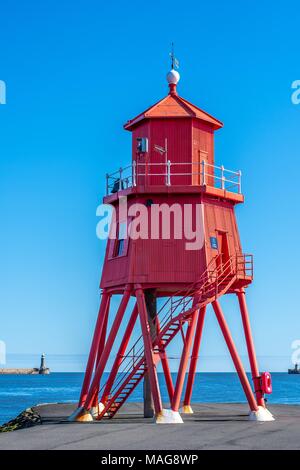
{"x": 173, "y": 76}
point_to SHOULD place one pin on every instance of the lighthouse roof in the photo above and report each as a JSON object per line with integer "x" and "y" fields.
{"x": 174, "y": 106}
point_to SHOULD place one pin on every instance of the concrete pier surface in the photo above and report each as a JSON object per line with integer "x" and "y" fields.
{"x": 212, "y": 426}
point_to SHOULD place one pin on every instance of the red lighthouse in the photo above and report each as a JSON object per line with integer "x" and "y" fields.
{"x": 174, "y": 248}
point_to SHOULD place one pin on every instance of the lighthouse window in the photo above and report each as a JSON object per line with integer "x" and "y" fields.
{"x": 120, "y": 243}
{"x": 120, "y": 247}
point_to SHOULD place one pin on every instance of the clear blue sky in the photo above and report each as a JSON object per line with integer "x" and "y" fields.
{"x": 75, "y": 72}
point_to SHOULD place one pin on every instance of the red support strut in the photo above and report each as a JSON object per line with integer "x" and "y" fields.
{"x": 107, "y": 349}
{"x": 148, "y": 350}
{"x": 100, "y": 349}
{"x": 120, "y": 355}
{"x": 194, "y": 357}
{"x": 165, "y": 366}
{"x": 102, "y": 315}
{"x": 251, "y": 349}
{"x": 235, "y": 357}
{"x": 184, "y": 362}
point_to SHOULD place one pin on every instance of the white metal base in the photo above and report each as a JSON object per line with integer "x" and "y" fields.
{"x": 81, "y": 415}
{"x": 262, "y": 414}
{"x": 95, "y": 410}
{"x": 168, "y": 417}
{"x": 187, "y": 410}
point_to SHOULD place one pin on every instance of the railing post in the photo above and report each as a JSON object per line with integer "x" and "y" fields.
{"x": 120, "y": 180}
{"x": 107, "y": 188}
{"x": 168, "y": 173}
{"x": 203, "y": 173}
{"x": 222, "y": 177}
{"x": 134, "y": 173}
{"x": 240, "y": 182}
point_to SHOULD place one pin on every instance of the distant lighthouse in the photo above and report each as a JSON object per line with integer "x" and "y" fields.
{"x": 43, "y": 370}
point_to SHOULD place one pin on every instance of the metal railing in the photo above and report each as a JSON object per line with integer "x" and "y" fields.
{"x": 244, "y": 265}
{"x": 174, "y": 173}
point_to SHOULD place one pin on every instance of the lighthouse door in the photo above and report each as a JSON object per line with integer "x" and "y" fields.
{"x": 223, "y": 248}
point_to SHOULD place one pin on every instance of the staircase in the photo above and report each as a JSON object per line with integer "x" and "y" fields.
{"x": 178, "y": 309}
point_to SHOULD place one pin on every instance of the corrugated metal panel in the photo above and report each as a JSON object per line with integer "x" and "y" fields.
{"x": 168, "y": 261}
{"x": 220, "y": 216}
{"x": 202, "y": 135}
{"x": 178, "y": 133}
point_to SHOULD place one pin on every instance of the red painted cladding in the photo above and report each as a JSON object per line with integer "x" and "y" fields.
{"x": 203, "y": 148}
{"x": 185, "y": 130}
{"x": 188, "y": 141}
{"x": 163, "y": 263}
{"x": 167, "y": 264}
{"x": 220, "y": 219}
{"x": 178, "y": 133}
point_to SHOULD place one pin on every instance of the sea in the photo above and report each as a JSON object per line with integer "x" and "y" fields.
{"x": 18, "y": 392}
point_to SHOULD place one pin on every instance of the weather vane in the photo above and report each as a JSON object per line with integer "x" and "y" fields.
{"x": 174, "y": 61}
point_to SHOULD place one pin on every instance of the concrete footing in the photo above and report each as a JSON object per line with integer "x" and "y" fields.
{"x": 81, "y": 415}
{"x": 168, "y": 417}
{"x": 96, "y": 410}
{"x": 187, "y": 410}
{"x": 262, "y": 414}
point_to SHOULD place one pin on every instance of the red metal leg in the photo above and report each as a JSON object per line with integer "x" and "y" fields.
{"x": 194, "y": 357}
{"x": 167, "y": 374}
{"x": 120, "y": 355}
{"x": 251, "y": 349}
{"x": 165, "y": 366}
{"x": 148, "y": 350}
{"x": 235, "y": 357}
{"x": 107, "y": 350}
{"x": 184, "y": 362}
{"x": 103, "y": 311}
{"x": 100, "y": 350}
{"x": 103, "y": 338}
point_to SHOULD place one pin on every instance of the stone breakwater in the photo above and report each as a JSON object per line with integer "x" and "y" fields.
{"x": 26, "y": 419}
{"x": 33, "y": 371}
